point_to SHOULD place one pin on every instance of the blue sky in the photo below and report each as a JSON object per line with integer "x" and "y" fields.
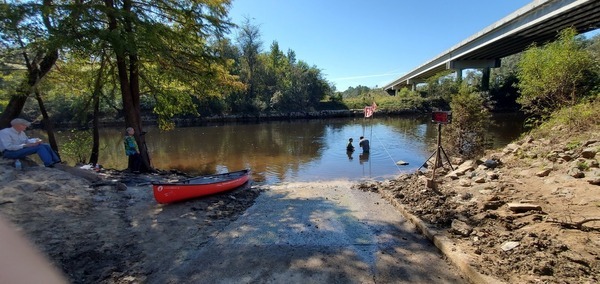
{"x": 368, "y": 43}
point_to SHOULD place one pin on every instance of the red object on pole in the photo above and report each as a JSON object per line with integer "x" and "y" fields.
{"x": 368, "y": 111}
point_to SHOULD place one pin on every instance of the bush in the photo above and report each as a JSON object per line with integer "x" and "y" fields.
{"x": 555, "y": 75}
{"x": 78, "y": 146}
{"x": 582, "y": 117}
{"x": 466, "y": 135}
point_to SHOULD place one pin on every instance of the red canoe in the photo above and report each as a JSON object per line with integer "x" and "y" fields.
{"x": 199, "y": 186}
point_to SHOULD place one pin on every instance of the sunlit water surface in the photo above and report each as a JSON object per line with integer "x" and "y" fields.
{"x": 298, "y": 150}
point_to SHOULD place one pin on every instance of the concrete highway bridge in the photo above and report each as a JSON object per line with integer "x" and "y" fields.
{"x": 538, "y": 22}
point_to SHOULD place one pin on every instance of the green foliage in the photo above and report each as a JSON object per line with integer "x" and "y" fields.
{"x": 78, "y": 147}
{"x": 404, "y": 100}
{"x": 554, "y": 75}
{"x": 582, "y": 117}
{"x": 442, "y": 86}
{"x": 466, "y": 135}
{"x": 573, "y": 145}
{"x": 503, "y": 84}
{"x": 583, "y": 166}
{"x": 331, "y": 105}
{"x": 354, "y": 92}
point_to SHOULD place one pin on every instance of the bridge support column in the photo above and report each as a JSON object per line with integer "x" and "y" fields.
{"x": 413, "y": 83}
{"x": 485, "y": 79}
{"x": 484, "y": 64}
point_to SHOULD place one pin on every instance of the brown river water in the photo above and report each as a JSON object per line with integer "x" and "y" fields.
{"x": 297, "y": 150}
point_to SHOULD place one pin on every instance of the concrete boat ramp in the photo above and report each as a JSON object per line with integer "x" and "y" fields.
{"x": 317, "y": 233}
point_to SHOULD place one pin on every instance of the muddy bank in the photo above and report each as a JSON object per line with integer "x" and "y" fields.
{"x": 110, "y": 233}
{"x": 528, "y": 213}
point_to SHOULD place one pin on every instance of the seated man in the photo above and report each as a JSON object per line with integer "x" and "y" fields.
{"x": 14, "y": 144}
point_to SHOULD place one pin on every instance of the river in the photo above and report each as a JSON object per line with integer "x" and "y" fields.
{"x": 297, "y": 150}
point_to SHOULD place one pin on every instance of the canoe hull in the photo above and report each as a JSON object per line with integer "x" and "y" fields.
{"x": 199, "y": 187}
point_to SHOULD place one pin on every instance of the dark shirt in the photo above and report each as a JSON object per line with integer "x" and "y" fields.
{"x": 364, "y": 143}
{"x": 350, "y": 147}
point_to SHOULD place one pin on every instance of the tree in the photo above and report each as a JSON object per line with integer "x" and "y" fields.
{"x": 33, "y": 44}
{"x": 554, "y": 75}
{"x": 466, "y": 135}
{"x": 503, "y": 85}
{"x": 170, "y": 33}
{"x": 250, "y": 43}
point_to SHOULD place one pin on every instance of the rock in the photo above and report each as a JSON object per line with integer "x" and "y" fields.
{"x": 589, "y": 142}
{"x": 457, "y": 160}
{"x": 594, "y": 180}
{"x": 565, "y": 157}
{"x": 460, "y": 228}
{"x": 463, "y": 168}
{"x": 493, "y": 176}
{"x": 531, "y": 155}
{"x": 543, "y": 268}
{"x": 120, "y": 186}
{"x": 528, "y": 139}
{"x": 589, "y": 153}
{"x": 479, "y": 179}
{"x": 401, "y": 163}
{"x": 553, "y": 156}
{"x": 576, "y": 173}
{"x": 492, "y": 164}
{"x": 523, "y": 207}
{"x": 464, "y": 183}
{"x": 466, "y": 196}
{"x": 492, "y": 204}
{"x": 452, "y": 175}
{"x": 506, "y": 246}
{"x": 510, "y": 148}
{"x": 543, "y": 173}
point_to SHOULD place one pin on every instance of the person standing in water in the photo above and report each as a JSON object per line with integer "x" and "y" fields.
{"x": 350, "y": 147}
{"x": 364, "y": 144}
{"x": 132, "y": 151}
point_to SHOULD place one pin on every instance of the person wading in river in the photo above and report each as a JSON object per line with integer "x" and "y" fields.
{"x": 364, "y": 144}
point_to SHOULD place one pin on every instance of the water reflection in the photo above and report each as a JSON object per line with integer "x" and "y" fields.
{"x": 299, "y": 150}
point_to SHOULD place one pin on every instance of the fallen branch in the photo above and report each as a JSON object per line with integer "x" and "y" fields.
{"x": 577, "y": 225}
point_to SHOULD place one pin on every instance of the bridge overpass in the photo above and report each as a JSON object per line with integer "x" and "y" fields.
{"x": 537, "y": 22}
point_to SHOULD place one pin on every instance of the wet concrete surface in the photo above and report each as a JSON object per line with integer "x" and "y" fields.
{"x": 316, "y": 233}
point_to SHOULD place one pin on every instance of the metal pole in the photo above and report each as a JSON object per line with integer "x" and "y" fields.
{"x": 438, "y": 158}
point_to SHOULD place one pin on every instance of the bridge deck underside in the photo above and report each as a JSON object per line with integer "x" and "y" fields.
{"x": 585, "y": 18}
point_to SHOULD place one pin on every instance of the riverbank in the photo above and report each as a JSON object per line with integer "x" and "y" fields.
{"x": 110, "y": 230}
{"x": 526, "y": 213}
{"x": 186, "y": 121}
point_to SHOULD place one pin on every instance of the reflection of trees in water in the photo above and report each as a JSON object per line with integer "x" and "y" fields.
{"x": 276, "y": 149}
{"x": 261, "y": 147}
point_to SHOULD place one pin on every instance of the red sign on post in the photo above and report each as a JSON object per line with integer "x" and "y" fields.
{"x": 441, "y": 117}
{"x": 368, "y": 111}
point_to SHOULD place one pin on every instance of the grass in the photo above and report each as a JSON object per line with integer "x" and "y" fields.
{"x": 572, "y": 123}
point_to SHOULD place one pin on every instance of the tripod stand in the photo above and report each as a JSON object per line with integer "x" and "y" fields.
{"x": 438, "y": 154}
